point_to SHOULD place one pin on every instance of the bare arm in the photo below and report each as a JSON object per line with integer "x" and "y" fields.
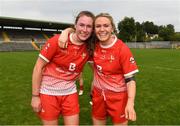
{"x": 36, "y": 83}
{"x": 62, "y": 41}
{"x": 129, "y": 110}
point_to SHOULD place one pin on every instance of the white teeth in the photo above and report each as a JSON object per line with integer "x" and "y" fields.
{"x": 102, "y": 34}
{"x": 84, "y": 34}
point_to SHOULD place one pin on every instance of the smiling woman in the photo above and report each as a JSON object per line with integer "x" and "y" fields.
{"x": 113, "y": 76}
{"x": 55, "y": 72}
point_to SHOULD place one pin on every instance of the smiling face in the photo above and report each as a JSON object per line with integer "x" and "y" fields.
{"x": 84, "y": 27}
{"x": 103, "y": 29}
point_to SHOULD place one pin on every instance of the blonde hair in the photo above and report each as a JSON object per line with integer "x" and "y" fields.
{"x": 107, "y": 15}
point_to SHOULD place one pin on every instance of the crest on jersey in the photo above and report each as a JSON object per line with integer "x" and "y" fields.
{"x": 132, "y": 60}
{"x": 112, "y": 58}
{"x": 83, "y": 55}
{"x": 103, "y": 51}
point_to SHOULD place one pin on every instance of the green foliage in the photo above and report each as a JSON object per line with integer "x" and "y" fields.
{"x": 150, "y": 28}
{"x": 176, "y": 37}
{"x": 131, "y": 31}
{"x": 166, "y": 32}
{"x": 127, "y": 29}
{"x": 158, "y": 88}
{"x": 140, "y": 34}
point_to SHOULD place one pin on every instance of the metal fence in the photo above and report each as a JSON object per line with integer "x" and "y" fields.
{"x": 154, "y": 44}
{"x": 27, "y": 46}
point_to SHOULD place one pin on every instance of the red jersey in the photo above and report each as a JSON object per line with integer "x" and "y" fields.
{"x": 112, "y": 64}
{"x": 64, "y": 66}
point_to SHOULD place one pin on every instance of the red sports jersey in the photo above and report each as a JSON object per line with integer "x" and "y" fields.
{"x": 112, "y": 64}
{"x": 64, "y": 66}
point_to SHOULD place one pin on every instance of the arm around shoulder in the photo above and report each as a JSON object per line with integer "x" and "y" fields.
{"x": 62, "y": 41}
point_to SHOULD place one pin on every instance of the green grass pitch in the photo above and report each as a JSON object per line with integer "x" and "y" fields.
{"x": 157, "y": 98}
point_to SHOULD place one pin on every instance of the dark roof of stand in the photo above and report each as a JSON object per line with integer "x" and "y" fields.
{"x": 29, "y": 23}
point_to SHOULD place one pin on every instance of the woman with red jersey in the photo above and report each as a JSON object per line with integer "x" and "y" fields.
{"x": 114, "y": 86}
{"x": 54, "y": 91}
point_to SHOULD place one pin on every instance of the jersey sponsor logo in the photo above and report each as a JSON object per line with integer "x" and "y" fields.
{"x": 132, "y": 60}
{"x": 72, "y": 67}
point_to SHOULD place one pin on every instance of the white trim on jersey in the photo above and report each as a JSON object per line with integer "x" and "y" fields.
{"x": 131, "y": 73}
{"x": 44, "y": 58}
{"x": 108, "y": 46}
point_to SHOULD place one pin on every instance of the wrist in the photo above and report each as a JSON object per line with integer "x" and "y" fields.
{"x": 131, "y": 100}
{"x": 35, "y": 95}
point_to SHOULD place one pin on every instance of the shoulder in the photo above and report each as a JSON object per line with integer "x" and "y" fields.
{"x": 120, "y": 42}
{"x": 122, "y": 45}
{"x": 54, "y": 39}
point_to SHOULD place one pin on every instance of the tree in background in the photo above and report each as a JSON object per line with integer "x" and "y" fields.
{"x": 127, "y": 29}
{"x": 176, "y": 36}
{"x": 167, "y": 32}
{"x": 140, "y": 33}
{"x": 150, "y": 28}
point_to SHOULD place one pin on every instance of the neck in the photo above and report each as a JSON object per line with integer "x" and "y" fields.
{"x": 76, "y": 40}
{"x": 109, "y": 41}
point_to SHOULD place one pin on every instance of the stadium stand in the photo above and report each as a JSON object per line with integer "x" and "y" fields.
{"x": 25, "y": 34}
{"x": 28, "y": 35}
{"x": 1, "y": 38}
{"x": 13, "y": 46}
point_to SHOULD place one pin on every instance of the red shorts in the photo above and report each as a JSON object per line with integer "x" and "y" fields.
{"x": 53, "y": 106}
{"x": 109, "y": 103}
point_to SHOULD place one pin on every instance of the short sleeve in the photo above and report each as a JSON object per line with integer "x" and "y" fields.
{"x": 127, "y": 61}
{"x": 49, "y": 49}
